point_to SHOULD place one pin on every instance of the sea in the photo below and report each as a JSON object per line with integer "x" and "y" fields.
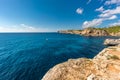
{"x": 28, "y": 56}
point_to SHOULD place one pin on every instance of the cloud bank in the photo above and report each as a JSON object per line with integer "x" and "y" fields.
{"x": 100, "y": 9}
{"x": 105, "y": 14}
{"x": 93, "y": 23}
{"x": 109, "y": 2}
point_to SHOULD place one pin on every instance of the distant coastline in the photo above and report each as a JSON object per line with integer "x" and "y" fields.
{"x": 110, "y": 31}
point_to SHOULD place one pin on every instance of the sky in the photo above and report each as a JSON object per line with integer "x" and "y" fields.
{"x": 54, "y": 15}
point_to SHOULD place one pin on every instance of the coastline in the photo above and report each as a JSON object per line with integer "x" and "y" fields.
{"x": 110, "y": 31}
{"x": 104, "y": 66}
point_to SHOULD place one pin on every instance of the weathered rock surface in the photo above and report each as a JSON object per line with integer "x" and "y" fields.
{"x": 104, "y": 66}
{"x": 112, "y": 42}
{"x": 74, "y": 69}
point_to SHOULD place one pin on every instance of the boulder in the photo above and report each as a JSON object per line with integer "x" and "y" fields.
{"x": 112, "y": 42}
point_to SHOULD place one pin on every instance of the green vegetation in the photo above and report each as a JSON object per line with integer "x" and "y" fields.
{"x": 113, "y": 29}
{"x": 113, "y": 57}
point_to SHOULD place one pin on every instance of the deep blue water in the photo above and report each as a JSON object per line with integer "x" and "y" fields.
{"x": 28, "y": 56}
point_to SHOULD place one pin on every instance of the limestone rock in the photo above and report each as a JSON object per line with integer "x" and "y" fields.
{"x": 74, "y": 69}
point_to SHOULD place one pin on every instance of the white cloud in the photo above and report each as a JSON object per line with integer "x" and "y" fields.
{"x": 112, "y": 17}
{"x": 22, "y": 28}
{"x": 101, "y": 9}
{"x": 89, "y": 1}
{"x": 79, "y": 11}
{"x": 93, "y": 23}
{"x": 110, "y": 12}
{"x": 109, "y": 2}
{"x": 97, "y": 22}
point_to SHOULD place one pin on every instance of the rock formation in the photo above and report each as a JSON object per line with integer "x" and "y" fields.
{"x": 74, "y": 69}
{"x": 94, "y": 32}
{"x": 91, "y": 31}
{"x": 104, "y": 66}
{"x": 115, "y": 34}
{"x": 112, "y": 42}
{"x": 87, "y": 32}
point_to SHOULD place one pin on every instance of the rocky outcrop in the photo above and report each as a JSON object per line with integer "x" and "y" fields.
{"x": 94, "y": 32}
{"x": 115, "y": 34}
{"x": 74, "y": 69}
{"x": 112, "y": 42}
{"x": 87, "y": 32}
{"x": 104, "y": 66}
{"x": 107, "y": 64}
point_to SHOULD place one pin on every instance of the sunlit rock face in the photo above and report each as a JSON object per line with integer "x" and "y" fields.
{"x": 115, "y": 34}
{"x": 94, "y": 32}
{"x": 104, "y": 66}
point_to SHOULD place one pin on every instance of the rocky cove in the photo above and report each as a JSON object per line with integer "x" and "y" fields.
{"x": 104, "y": 66}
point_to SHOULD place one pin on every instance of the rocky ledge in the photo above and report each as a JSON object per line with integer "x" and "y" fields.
{"x": 104, "y": 66}
{"x": 112, "y": 42}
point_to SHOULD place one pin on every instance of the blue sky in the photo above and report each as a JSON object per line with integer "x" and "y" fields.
{"x": 53, "y": 15}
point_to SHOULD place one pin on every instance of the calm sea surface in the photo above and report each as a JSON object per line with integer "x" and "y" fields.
{"x": 28, "y": 56}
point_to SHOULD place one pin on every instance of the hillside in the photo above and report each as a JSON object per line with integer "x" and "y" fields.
{"x": 108, "y": 31}
{"x": 113, "y": 29}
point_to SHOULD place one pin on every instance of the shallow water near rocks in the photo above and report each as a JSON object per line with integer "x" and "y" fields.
{"x": 28, "y": 56}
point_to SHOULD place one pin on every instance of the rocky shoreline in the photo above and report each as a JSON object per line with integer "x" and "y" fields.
{"x": 92, "y": 32}
{"x": 104, "y": 66}
{"x": 86, "y": 32}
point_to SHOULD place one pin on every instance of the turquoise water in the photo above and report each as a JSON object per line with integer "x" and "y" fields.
{"x": 28, "y": 56}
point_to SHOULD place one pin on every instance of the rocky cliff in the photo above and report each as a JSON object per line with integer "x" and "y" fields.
{"x": 115, "y": 34}
{"x": 94, "y": 32}
{"x": 87, "y": 32}
{"x": 110, "y": 31}
{"x": 104, "y": 66}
